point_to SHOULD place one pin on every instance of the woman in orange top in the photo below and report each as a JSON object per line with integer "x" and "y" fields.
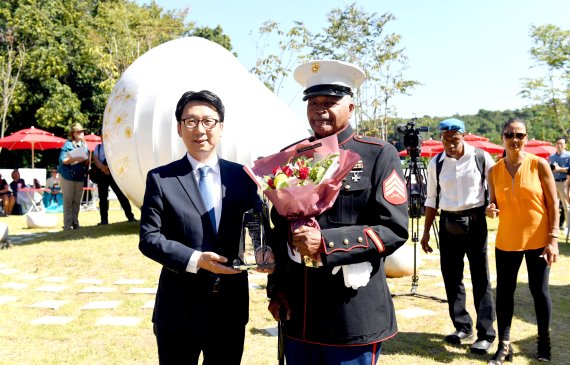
{"x": 523, "y": 195}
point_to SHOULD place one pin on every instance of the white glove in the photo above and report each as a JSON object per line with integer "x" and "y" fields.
{"x": 355, "y": 275}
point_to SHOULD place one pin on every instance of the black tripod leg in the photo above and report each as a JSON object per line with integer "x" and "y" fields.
{"x": 435, "y": 230}
{"x": 414, "y": 211}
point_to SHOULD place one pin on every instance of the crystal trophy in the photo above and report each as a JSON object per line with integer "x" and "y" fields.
{"x": 252, "y": 226}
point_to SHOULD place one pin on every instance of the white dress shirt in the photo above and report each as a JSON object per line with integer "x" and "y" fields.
{"x": 215, "y": 180}
{"x": 459, "y": 181}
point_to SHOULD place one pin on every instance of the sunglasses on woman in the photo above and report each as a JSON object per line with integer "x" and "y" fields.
{"x": 511, "y": 135}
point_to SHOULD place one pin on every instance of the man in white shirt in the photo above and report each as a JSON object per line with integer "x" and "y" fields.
{"x": 457, "y": 185}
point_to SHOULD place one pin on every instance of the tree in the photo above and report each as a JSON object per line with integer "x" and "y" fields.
{"x": 354, "y": 36}
{"x": 123, "y": 31}
{"x": 11, "y": 63}
{"x": 358, "y": 37}
{"x": 551, "y": 51}
{"x": 215, "y": 35}
{"x": 72, "y": 54}
{"x": 292, "y": 47}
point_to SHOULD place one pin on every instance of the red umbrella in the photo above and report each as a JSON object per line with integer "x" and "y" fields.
{"x": 540, "y": 148}
{"x": 490, "y": 147}
{"x": 536, "y": 142}
{"x": 474, "y": 137}
{"x": 92, "y": 141}
{"x": 31, "y": 138}
{"x": 429, "y": 148}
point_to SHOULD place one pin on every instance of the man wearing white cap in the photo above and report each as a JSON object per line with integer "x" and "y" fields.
{"x": 326, "y": 318}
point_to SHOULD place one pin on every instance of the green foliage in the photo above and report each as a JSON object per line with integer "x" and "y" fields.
{"x": 73, "y": 53}
{"x": 551, "y": 51}
{"x": 215, "y": 35}
{"x": 292, "y": 48}
{"x": 352, "y": 35}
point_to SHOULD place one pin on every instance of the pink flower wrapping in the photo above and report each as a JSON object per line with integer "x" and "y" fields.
{"x": 300, "y": 204}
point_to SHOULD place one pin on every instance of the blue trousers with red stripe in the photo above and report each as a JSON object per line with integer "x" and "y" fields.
{"x": 303, "y": 353}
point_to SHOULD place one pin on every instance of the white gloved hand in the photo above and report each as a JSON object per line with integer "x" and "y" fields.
{"x": 355, "y": 275}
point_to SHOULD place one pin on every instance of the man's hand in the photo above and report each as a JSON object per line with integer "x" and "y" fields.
{"x": 307, "y": 241}
{"x": 279, "y": 305}
{"x": 264, "y": 257}
{"x": 212, "y": 262}
{"x": 491, "y": 211}
{"x": 425, "y": 242}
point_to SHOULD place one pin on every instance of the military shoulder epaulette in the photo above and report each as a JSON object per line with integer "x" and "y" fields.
{"x": 370, "y": 140}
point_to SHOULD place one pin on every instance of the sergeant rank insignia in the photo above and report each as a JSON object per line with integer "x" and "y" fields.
{"x": 394, "y": 189}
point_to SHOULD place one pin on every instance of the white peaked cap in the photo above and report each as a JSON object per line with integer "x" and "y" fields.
{"x": 328, "y": 77}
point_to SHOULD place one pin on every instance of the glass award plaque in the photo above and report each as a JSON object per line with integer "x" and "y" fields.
{"x": 253, "y": 241}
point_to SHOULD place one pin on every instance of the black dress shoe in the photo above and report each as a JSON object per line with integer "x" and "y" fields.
{"x": 456, "y": 337}
{"x": 481, "y": 346}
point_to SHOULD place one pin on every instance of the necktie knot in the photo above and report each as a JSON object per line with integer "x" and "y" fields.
{"x": 203, "y": 171}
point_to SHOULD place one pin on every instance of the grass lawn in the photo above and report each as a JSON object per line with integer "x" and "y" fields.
{"x": 107, "y": 258}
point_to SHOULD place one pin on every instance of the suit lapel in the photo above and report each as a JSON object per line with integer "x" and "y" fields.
{"x": 225, "y": 175}
{"x": 189, "y": 184}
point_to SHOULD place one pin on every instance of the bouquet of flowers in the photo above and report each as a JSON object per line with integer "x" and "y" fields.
{"x": 301, "y": 171}
{"x": 304, "y": 180}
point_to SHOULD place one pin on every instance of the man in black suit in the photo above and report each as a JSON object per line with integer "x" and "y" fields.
{"x": 202, "y": 302}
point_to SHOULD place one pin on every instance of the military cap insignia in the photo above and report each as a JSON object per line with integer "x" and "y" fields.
{"x": 394, "y": 189}
{"x": 315, "y": 67}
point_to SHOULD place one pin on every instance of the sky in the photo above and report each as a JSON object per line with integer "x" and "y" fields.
{"x": 468, "y": 55}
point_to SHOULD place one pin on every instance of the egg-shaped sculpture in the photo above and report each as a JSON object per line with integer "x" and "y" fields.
{"x": 139, "y": 126}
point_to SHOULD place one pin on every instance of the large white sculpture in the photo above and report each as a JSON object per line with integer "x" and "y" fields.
{"x": 139, "y": 127}
{"x": 401, "y": 262}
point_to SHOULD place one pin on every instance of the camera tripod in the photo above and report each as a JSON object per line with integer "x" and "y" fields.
{"x": 416, "y": 181}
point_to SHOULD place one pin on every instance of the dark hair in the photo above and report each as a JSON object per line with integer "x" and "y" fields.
{"x": 559, "y": 138}
{"x": 205, "y": 96}
{"x": 511, "y": 121}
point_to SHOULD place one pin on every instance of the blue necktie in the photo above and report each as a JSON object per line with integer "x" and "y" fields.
{"x": 207, "y": 194}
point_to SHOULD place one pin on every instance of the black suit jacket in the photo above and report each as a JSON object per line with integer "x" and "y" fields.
{"x": 174, "y": 223}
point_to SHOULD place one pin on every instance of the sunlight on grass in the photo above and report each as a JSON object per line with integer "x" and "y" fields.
{"x": 72, "y": 260}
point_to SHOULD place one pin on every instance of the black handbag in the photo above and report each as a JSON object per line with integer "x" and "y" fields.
{"x": 95, "y": 174}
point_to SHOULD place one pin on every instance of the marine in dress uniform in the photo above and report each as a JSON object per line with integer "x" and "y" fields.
{"x": 327, "y": 320}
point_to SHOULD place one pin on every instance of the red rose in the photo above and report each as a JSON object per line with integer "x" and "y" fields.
{"x": 303, "y": 173}
{"x": 276, "y": 170}
{"x": 287, "y": 170}
{"x": 271, "y": 184}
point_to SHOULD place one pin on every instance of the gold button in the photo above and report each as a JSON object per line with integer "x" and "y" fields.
{"x": 359, "y": 239}
{"x": 331, "y": 244}
{"x": 345, "y": 242}
{"x": 346, "y": 187}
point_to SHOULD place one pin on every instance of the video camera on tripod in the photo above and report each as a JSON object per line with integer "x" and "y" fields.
{"x": 415, "y": 179}
{"x": 416, "y": 185}
{"x": 412, "y": 138}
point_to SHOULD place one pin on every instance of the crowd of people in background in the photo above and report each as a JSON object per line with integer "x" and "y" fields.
{"x": 67, "y": 187}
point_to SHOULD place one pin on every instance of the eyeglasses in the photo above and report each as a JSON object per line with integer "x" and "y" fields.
{"x": 207, "y": 123}
{"x": 511, "y": 135}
